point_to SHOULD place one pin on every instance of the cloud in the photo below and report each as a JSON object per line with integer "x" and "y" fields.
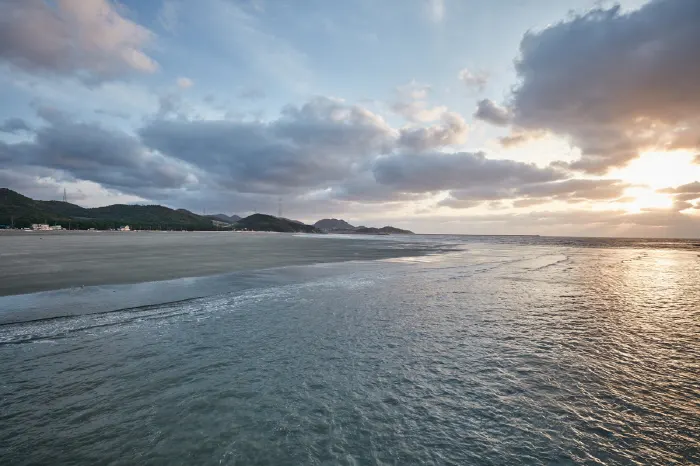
{"x": 307, "y": 147}
{"x": 487, "y": 110}
{"x": 14, "y": 125}
{"x": 411, "y": 103}
{"x": 418, "y": 111}
{"x": 453, "y": 130}
{"x": 169, "y": 106}
{"x": 529, "y": 202}
{"x": 89, "y": 152}
{"x": 517, "y": 138}
{"x": 683, "y": 194}
{"x": 88, "y": 39}
{"x": 184, "y": 83}
{"x": 251, "y": 94}
{"x": 413, "y": 90}
{"x": 575, "y": 189}
{"x": 436, "y": 9}
{"x": 572, "y": 222}
{"x": 363, "y": 188}
{"x": 168, "y": 15}
{"x": 258, "y": 45}
{"x": 426, "y": 172}
{"x": 473, "y": 80}
{"x": 693, "y": 187}
{"x": 525, "y": 194}
{"x": 614, "y": 83}
{"x": 459, "y": 203}
{"x": 112, "y": 113}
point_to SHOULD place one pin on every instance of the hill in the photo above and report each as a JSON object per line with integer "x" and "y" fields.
{"x": 382, "y": 231}
{"x": 262, "y": 222}
{"x": 24, "y": 211}
{"x": 225, "y": 218}
{"x": 331, "y": 224}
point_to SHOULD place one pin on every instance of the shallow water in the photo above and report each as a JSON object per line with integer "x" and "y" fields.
{"x": 505, "y": 352}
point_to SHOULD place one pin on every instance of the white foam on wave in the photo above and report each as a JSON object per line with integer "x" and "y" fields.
{"x": 55, "y": 329}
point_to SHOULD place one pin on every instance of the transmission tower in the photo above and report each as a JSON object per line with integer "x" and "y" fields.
{"x": 65, "y": 198}
{"x": 279, "y": 207}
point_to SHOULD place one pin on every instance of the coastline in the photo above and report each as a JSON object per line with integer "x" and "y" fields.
{"x": 47, "y": 261}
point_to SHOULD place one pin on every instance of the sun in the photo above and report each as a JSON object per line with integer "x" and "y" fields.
{"x": 660, "y": 170}
{"x": 653, "y": 171}
{"x": 645, "y": 198}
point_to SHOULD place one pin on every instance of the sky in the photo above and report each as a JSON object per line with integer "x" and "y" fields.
{"x": 551, "y": 117}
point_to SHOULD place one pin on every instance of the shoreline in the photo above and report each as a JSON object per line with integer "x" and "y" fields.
{"x": 49, "y": 261}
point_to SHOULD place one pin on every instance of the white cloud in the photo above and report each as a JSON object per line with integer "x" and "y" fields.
{"x": 184, "y": 83}
{"x": 413, "y": 90}
{"x": 89, "y": 39}
{"x": 418, "y": 111}
{"x": 475, "y": 80}
{"x": 615, "y": 83}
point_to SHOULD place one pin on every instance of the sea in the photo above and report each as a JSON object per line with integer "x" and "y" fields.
{"x": 494, "y": 351}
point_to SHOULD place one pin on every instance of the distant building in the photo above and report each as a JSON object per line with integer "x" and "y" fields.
{"x": 56, "y": 227}
{"x": 125, "y": 228}
{"x": 40, "y": 227}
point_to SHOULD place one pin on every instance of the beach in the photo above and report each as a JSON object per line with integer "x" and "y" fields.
{"x": 43, "y": 261}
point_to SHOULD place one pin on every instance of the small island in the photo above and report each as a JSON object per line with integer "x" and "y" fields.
{"x": 332, "y": 225}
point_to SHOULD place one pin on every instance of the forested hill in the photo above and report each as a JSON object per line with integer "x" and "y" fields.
{"x": 262, "y": 222}
{"x": 22, "y": 211}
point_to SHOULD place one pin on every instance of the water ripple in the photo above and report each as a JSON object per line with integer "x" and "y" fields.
{"x": 508, "y": 355}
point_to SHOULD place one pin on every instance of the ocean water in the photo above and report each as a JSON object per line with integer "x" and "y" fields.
{"x": 502, "y": 351}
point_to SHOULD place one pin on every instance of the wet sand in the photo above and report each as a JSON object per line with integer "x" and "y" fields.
{"x": 42, "y": 261}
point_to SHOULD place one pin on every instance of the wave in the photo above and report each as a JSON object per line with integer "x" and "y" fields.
{"x": 96, "y": 300}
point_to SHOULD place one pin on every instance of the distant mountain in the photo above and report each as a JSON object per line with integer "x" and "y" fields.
{"x": 225, "y": 218}
{"x": 382, "y": 231}
{"x": 262, "y": 222}
{"x": 24, "y": 211}
{"x": 341, "y": 226}
{"x": 330, "y": 224}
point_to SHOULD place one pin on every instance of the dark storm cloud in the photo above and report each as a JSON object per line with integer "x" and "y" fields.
{"x": 489, "y": 111}
{"x": 425, "y": 172}
{"x": 615, "y": 83}
{"x": 14, "y": 125}
{"x": 89, "y": 39}
{"x": 90, "y": 152}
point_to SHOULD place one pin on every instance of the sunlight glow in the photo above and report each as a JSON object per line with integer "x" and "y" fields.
{"x": 660, "y": 169}
{"x": 647, "y": 199}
